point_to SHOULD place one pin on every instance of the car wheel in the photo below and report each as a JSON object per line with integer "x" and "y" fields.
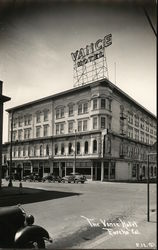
{"x": 82, "y": 182}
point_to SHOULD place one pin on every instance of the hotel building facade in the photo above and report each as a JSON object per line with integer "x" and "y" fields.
{"x": 95, "y": 129}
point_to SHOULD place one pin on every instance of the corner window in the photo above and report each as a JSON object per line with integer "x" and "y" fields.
{"x": 94, "y": 104}
{"x": 103, "y": 103}
{"x": 103, "y": 122}
{"x": 95, "y": 120}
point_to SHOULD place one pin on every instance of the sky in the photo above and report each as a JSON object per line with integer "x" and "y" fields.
{"x": 37, "y": 38}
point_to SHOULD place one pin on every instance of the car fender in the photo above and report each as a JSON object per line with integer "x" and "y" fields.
{"x": 30, "y": 233}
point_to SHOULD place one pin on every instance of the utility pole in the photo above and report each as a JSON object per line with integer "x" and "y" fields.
{"x": 10, "y": 184}
{"x": 2, "y": 100}
{"x": 74, "y": 170}
{"x": 148, "y": 187}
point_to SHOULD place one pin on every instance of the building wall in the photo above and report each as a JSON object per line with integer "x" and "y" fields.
{"x": 83, "y": 116}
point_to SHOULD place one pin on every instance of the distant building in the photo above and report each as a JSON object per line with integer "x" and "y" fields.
{"x": 111, "y": 131}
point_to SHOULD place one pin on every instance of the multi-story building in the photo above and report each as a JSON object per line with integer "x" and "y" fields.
{"x": 95, "y": 129}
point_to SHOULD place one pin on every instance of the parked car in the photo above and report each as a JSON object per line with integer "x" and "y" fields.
{"x": 51, "y": 178}
{"x": 32, "y": 177}
{"x": 14, "y": 177}
{"x": 74, "y": 177}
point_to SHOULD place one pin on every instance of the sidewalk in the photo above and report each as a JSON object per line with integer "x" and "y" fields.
{"x": 141, "y": 236}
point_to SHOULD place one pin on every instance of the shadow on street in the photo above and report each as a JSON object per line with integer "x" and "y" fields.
{"x": 13, "y": 196}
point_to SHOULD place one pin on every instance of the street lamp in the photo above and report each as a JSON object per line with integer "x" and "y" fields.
{"x": 148, "y": 190}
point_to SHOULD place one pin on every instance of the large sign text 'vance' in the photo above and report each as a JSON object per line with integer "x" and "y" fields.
{"x": 92, "y": 52}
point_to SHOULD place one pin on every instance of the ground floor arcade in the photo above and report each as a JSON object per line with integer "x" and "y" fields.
{"x": 93, "y": 169}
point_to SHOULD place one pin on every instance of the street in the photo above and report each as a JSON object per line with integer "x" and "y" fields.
{"x": 92, "y": 214}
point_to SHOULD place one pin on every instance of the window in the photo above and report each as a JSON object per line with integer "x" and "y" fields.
{"x": 57, "y": 129}
{"x": 103, "y": 123}
{"x": 103, "y": 103}
{"x": 47, "y": 149}
{"x": 41, "y": 150}
{"x": 45, "y": 113}
{"x": 14, "y": 122}
{"x": 70, "y": 148}
{"x": 95, "y": 122}
{"x": 79, "y": 125}
{"x": 19, "y": 151}
{"x": 136, "y": 121}
{"x": 62, "y": 112}
{"x": 82, "y": 108}
{"x": 130, "y": 118}
{"x": 29, "y": 151}
{"x": 86, "y": 147}
{"x": 45, "y": 130}
{"x": 70, "y": 127}
{"x": 35, "y": 150}
{"x": 24, "y": 151}
{"x": 85, "y": 107}
{"x": 20, "y": 120}
{"x": 95, "y": 146}
{"x": 27, "y": 133}
{"x": 59, "y": 113}
{"x": 78, "y": 148}
{"x": 136, "y": 134}
{"x": 151, "y": 171}
{"x": 112, "y": 170}
{"x": 14, "y": 135}
{"x": 20, "y": 135}
{"x": 62, "y": 148}
{"x": 38, "y": 131}
{"x": 71, "y": 110}
{"x": 84, "y": 125}
{"x": 130, "y": 132}
{"x": 38, "y": 117}
{"x": 109, "y": 104}
{"x": 56, "y": 149}
{"x": 94, "y": 104}
{"x": 62, "y": 128}
{"x": 134, "y": 170}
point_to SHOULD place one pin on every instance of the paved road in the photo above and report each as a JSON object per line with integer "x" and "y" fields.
{"x": 78, "y": 221}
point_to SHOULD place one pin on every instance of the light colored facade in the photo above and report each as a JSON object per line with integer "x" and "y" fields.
{"x": 112, "y": 134}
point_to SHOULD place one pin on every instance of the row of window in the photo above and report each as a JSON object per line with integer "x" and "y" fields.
{"x": 153, "y": 171}
{"x": 140, "y": 122}
{"x": 133, "y": 151}
{"x": 26, "y": 133}
{"x": 83, "y": 107}
{"x": 82, "y": 125}
{"x": 139, "y": 135}
{"x": 27, "y": 119}
{"x": 31, "y": 151}
{"x": 71, "y": 148}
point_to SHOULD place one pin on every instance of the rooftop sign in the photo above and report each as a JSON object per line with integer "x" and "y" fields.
{"x": 91, "y": 52}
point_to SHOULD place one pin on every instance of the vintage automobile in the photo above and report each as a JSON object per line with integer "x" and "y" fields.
{"x": 17, "y": 229}
{"x": 32, "y": 177}
{"x": 51, "y": 178}
{"x": 14, "y": 177}
{"x": 74, "y": 177}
